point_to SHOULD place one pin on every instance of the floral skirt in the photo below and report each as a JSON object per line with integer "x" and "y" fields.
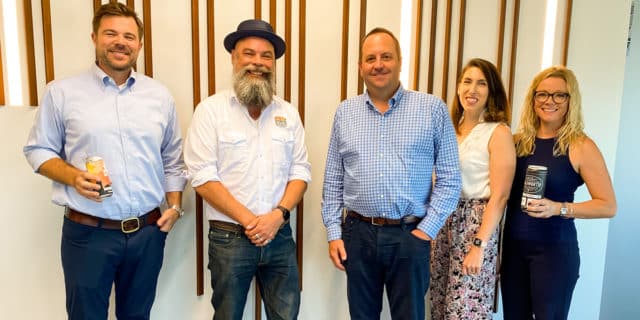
{"x": 454, "y": 295}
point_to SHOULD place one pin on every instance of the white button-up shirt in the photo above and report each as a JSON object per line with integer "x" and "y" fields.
{"x": 253, "y": 159}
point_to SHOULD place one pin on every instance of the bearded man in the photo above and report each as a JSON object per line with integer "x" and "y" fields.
{"x": 246, "y": 155}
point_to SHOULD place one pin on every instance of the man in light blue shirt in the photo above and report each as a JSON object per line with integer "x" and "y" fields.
{"x": 385, "y": 147}
{"x": 128, "y": 120}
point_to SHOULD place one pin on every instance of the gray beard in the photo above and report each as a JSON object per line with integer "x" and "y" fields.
{"x": 254, "y": 92}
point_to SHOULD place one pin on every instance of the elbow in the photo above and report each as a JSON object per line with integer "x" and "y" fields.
{"x": 611, "y": 210}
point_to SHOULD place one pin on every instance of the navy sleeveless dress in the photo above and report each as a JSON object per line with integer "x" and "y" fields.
{"x": 540, "y": 258}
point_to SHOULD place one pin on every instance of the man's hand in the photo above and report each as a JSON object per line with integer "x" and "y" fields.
{"x": 264, "y": 228}
{"x": 420, "y": 235}
{"x": 337, "y": 253}
{"x": 84, "y": 183}
{"x": 168, "y": 218}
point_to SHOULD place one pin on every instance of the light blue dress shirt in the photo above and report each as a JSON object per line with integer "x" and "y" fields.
{"x": 381, "y": 165}
{"x": 133, "y": 128}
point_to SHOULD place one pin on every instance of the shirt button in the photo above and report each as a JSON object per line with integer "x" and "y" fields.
{"x": 382, "y": 196}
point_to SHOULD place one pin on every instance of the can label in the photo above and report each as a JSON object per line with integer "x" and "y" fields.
{"x": 95, "y": 165}
{"x": 534, "y": 184}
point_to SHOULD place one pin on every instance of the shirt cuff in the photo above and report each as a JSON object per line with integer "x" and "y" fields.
{"x": 203, "y": 176}
{"x": 334, "y": 232}
{"x": 175, "y": 183}
{"x": 39, "y": 156}
{"x": 430, "y": 225}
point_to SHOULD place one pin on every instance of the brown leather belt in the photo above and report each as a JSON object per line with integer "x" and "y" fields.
{"x": 226, "y": 226}
{"x": 127, "y": 225}
{"x": 378, "y": 221}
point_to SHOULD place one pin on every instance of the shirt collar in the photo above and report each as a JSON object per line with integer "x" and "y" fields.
{"x": 392, "y": 101}
{"x": 106, "y": 80}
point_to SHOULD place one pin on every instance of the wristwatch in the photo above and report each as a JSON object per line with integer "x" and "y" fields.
{"x": 286, "y": 214}
{"x": 564, "y": 210}
{"x": 179, "y": 210}
{"x": 479, "y": 243}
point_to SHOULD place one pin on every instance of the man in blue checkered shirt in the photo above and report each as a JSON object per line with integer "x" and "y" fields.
{"x": 391, "y": 180}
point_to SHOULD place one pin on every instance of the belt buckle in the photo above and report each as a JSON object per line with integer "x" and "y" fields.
{"x": 130, "y": 225}
{"x": 373, "y": 222}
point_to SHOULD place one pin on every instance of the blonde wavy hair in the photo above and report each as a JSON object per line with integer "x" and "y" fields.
{"x": 571, "y": 131}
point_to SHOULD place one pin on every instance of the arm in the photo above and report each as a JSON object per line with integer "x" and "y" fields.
{"x": 60, "y": 171}
{"x": 502, "y": 165}
{"x": 589, "y": 163}
{"x": 218, "y": 197}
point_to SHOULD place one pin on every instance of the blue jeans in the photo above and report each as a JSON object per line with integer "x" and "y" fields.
{"x": 385, "y": 256}
{"x": 93, "y": 259}
{"x": 538, "y": 279}
{"x": 234, "y": 261}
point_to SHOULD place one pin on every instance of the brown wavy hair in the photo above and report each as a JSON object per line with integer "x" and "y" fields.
{"x": 572, "y": 129}
{"x": 119, "y": 10}
{"x": 497, "y": 108}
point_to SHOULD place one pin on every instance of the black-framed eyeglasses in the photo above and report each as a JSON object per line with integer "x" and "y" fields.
{"x": 557, "y": 97}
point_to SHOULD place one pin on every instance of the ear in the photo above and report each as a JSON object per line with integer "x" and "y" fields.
{"x": 93, "y": 37}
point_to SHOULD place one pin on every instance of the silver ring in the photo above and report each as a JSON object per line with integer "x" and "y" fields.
{"x": 257, "y": 236}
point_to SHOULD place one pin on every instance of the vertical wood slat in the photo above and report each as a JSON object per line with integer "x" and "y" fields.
{"x": 302, "y": 21}
{"x": 345, "y": 50}
{"x": 31, "y": 55}
{"x": 514, "y": 48}
{"x": 447, "y": 49}
{"x": 47, "y": 40}
{"x": 273, "y": 13}
{"x": 257, "y": 9}
{"x": 363, "y": 30}
{"x": 501, "y": 27}
{"x": 567, "y": 32}
{"x": 148, "y": 52}
{"x": 195, "y": 71}
{"x": 461, "y": 26}
{"x": 417, "y": 46}
{"x": 432, "y": 45}
{"x": 96, "y": 5}
{"x": 131, "y": 4}
{"x": 287, "y": 54}
{"x": 211, "y": 48}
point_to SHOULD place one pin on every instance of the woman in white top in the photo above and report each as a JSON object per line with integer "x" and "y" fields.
{"x": 465, "y": 253}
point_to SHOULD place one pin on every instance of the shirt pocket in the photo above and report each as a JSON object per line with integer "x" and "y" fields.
{"x": 282, "y": 148}
{"x": 234, "y": 151}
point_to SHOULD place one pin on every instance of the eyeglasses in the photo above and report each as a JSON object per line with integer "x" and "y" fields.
{"x": 557, "y": 97}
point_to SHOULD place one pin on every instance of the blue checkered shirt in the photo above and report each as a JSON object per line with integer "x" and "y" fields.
{"x": 381, "y": 165}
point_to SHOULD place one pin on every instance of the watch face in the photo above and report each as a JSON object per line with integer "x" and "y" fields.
{"x": 477, "y": 242}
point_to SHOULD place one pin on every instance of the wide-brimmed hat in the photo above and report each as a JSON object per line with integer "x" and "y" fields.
{"x": 255, "y": 28}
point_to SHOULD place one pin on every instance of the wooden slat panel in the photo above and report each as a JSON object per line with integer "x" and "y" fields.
{"x": 287, "y": 54}
{"x": 48, "y": 41}
{"x": 301, "y": 107}
{"x": 211, "y": 47}
{"x": 273, "y": 13}
{"x": 257, "y": 9}
{"x": 432, "y": 45}
{"x": 96, "y": 5}
{"x": 345, "y": 50}
{"x": 131, "y": 4}
{"x": 501, "y": 27}
{"x": 148, "y": 52}
{"x": 195, "y": 70}
{"x": 567, "y": 32}
{"x": 447, "y": 49}
{"x": 31, "y": 55}
{"x": 418, "y": 46}
{"x": 363, "y": 30}
{"x": 514, "y": 48}
{"x": 461, "y": 24}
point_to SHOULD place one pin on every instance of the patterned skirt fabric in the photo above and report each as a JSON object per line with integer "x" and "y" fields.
{"x": 454, "y": 295}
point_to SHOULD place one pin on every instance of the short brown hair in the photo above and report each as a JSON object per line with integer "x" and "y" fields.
{"x": 380, "y": 30}
{"x": 116, "y": 9}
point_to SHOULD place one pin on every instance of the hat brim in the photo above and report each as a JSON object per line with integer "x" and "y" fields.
{"x": 277, "y": 42}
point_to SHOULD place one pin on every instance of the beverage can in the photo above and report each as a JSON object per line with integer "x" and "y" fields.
{"x": 95, "y": 165}
{"x": 535, "y": 181}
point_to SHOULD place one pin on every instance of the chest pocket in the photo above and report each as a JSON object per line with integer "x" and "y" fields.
{"x": 233, "y": 151}
{"x": 282, "y": 148}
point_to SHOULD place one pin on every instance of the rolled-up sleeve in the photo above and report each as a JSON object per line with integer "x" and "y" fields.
{"x": 46, "y": 138}
{"x": 200, "y": 148}
{"x": 301, "y": 168}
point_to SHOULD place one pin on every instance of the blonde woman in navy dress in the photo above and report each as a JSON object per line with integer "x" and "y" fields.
{"x": 465, "y": 254}
{"x": 540, "y": 260}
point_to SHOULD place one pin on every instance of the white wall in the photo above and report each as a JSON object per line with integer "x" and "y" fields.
{"x": 31, "y": 239}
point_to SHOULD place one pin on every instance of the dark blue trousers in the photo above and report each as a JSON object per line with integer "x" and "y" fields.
{"x": 537, "y": 280}
{"x": 93, "y": 259}
{"x": 385, "y": 256}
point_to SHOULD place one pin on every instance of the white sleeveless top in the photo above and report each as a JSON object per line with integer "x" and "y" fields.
{"x": 474, "y": 161}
